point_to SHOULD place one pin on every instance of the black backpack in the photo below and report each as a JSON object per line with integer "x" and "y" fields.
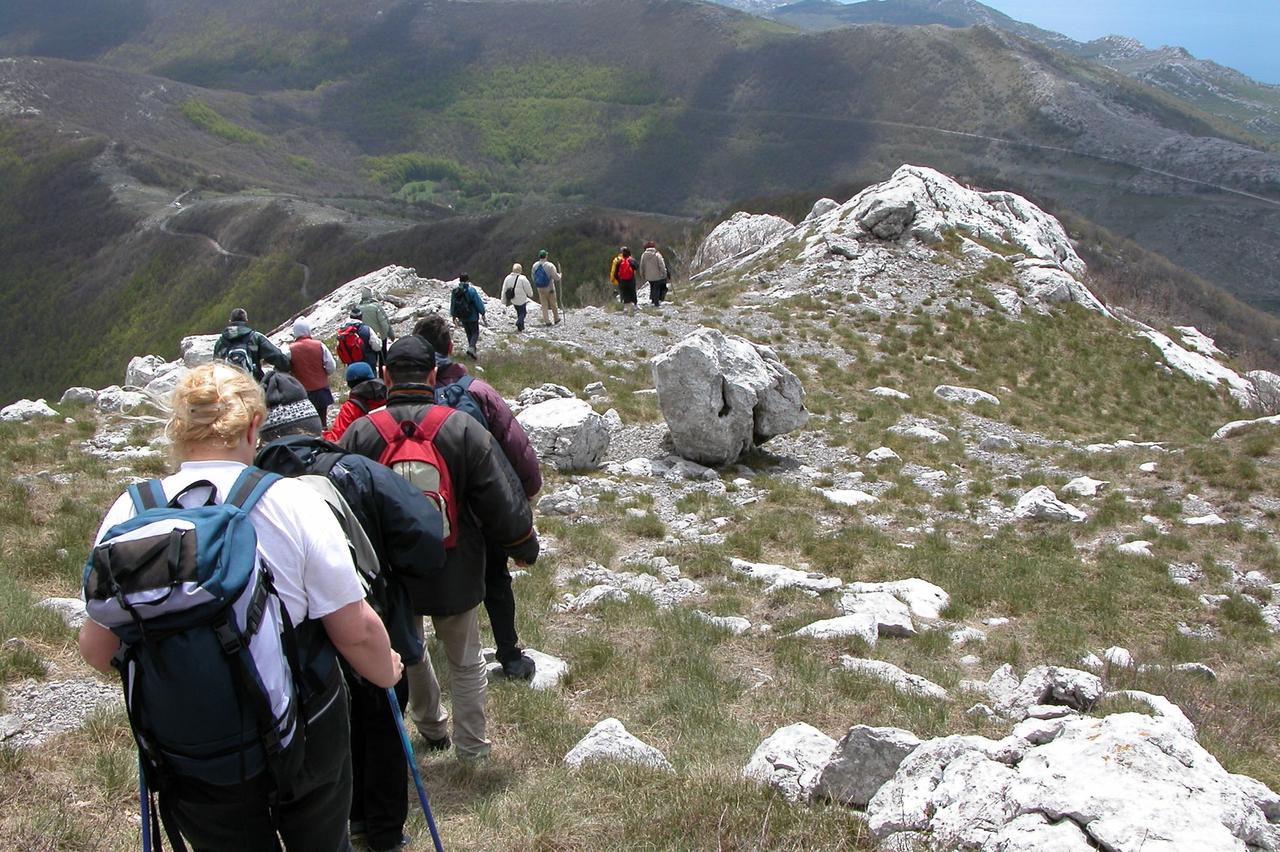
{"x": 461, "y": 306}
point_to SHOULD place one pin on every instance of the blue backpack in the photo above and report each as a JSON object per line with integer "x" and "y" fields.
{"x": 458, "y": 395}
{"x": 541, "y": 277}
{"x": 208, "y": 656}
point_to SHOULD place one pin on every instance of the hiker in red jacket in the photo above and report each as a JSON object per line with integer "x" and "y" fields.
{"x": 366, "y": 394}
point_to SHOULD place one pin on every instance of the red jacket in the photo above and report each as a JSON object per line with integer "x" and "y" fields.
{"x": 307, "y": 363}
{"x": 365, "y": 397}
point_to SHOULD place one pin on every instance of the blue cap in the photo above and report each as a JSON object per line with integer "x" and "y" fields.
{"x": 358, "y": 372}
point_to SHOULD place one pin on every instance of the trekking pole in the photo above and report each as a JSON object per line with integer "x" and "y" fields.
{"x": 413, "y": 766}
{"x": 144, "y": 798}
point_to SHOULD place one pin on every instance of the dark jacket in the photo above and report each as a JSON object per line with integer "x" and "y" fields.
{"x": 502, "y": 424}
{"x": 490, "y": 500}
{"x": 465, "y": 303}
{"x": 240, "y": 335}
{"x": 403, "y": 526}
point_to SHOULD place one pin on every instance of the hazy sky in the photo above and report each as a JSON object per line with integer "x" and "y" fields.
{"x": 1243, "y": 34}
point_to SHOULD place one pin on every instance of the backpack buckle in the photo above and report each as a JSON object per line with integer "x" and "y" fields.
{"x": 229, "y": 637}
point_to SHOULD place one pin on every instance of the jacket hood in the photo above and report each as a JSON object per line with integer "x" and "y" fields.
{"x": 366, "y": 295}
{"x": 236, "y": 331}
{"x": 294, "y": 455}
{"x": 370, "y": 389}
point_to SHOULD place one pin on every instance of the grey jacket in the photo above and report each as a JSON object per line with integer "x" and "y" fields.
{"x": 652, "y": 266}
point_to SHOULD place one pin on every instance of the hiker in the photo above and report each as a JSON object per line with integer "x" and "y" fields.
{"x": 396, "y": 533}
{"x": 452, "y": 457}
{"x": 517, "y": 291}
{"x": 357, "y": 341}
{"x": 546, "y": 278}
{"x": 247, "y": 349}
{"x": 499, "y": 600}
{"x": 653, "y": 269}
{"x": 311, "y": 363}
{"x": 374, "y": 316}
{"x": 365, "y": 393}
{"x": 193, "y": 693}
{"x": 623, "y": 275}
{"x": 466, "y": 307}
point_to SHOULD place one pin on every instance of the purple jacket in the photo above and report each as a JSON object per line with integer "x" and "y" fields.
{"x": 502, "y": 423}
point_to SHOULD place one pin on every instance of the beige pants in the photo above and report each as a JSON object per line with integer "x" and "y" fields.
{"x": 547, "y": 299}
{"x": 460, "y": 635}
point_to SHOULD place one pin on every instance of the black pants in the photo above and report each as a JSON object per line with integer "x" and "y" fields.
{"x": 379, "y": 771}
{"x": 500, "y": 603}
{"x": 627, "y": 291}
{"x": 312, "y": 819}
{"x": 657, "y": 291}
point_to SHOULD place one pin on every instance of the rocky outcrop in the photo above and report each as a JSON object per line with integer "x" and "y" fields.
{"x": 863, "y": 761}
{"x": 740, "y": 234}
{"x": 566, "y": 433}
{"x": 965, "y": 396}
{"x": 791, "y": 760}
{"x": 782, "y": 577}
{"x": 1236, "y": 427}
{"x": 26, "y": 409}
{"x": 1041, "y": 504}
{"x": 901, "y": 680}
{"x": 1266, "y": 386}
{"x": 1126, "y": 782}
{"x": 197, "y": 349}
{"x": 610, "y": 742}
{"x": 723, "y": 395}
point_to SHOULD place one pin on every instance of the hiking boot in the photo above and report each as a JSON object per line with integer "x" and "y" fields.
{"x": 521, "y": 668}
{"x": 357, "y": 828}
{"x": 404, "y": 841}
{"x": 437, "y": 744}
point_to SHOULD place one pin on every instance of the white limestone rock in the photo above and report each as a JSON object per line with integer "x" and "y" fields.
{"x": 25, "y": 410}
{"x": 1266, "y": 386}
{"x": 791, "y": 760}
{"x": 549, "y": 671}
{"x": 116, "y": 400}
{"x": 70, "y": 610}
{"x": 1043, "y": 685}
{"x": 741, "y": 234}
{"x": 902, "y": 681}
{"x": 79, "y": 396}
{"x": 781, "y": 577}
{"x": 142, "y": 369}
{"x": 1235, "y": 427}
{"x": 888, "y": 615}
{"x": 1213, "y": 519}
{"x": 862, "y": 626}
{"x": 924, "y": 599}
{"x": 1126, "y": 782}
{"x": 1135, "y": 548}
{"x": 1197, "y": 341}
{"x": 997, "y": 444}
{"x": 964, "y": 396}
{"x": 889, "y": 393}
{"x": 820, "y": 208}
{"x": 566, "y": 433}
{"x": 734, "y": 625}
{"x": 723, "y": 395}
{"x": 1119, "y": 657}
{"x": 1200, "y": 367}
{"x": 1084, "y": 486}
{"x": 1160, "y": 706}
{"x": 848, "y": 497}
{"x": 609, "y": 742}
{"x": 570, "y": 501}
{"x": 882, "y": 454}
{"x": 197, "y": 349}
{"x": 161, "y": 386}
{"x": 1041, "y": 504}
{"x": 863, "y": 761}
{"x": 920, "y": 433}
{"x": 542, "y": 393}
{"x": 592, "y": 596}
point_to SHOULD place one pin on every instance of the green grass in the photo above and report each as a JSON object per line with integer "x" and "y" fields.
{"x": 210, "y": 121}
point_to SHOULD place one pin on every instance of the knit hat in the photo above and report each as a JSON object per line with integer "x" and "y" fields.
{"x": 358, "y": 372}
{"x": 355, "y": 312}
{"x": 542, "y": 253}
{"x": 301, "y": 327}
{"x": 411, "y": 351}
{"x": 287, "y": 407}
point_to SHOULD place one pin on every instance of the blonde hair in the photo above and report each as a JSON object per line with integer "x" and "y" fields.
{"x": 213, "y": 405}
{"x": 517, "y": 268}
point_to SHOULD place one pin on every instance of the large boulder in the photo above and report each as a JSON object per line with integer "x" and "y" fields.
{"x": 966, "y": 396}
{"x": 742, "y": 233}
{"x": 1126, "y": 782}
{"x": 197, "y": 349}
{"x": 862, "y": 762}
{"x": 26, "y": 409}
{"x": 166, "y": 379}
{"x": 79, "y": 396}
{"x": 142, "y": 369}
{"x": 723, "y": 395}
{"x": 791, "y": 759}
{"x": 117, "y": 400}
{"x": 1267, "y": 386}
{"x": 566, "y": 433}
{"x": 610, "y": 742}
{"x": 1041, "y": 504}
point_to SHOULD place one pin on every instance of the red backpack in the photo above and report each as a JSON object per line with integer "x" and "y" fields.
{"x": 350, "y": 344}
{"x": 411, "y": 452}
{"x": 626, "y": 269}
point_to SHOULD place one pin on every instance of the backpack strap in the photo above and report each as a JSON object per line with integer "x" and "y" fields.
{"x": 386, "y": 424}
{"x": 147, "y": 495}
{"x": 430, "y": 425}
{"x": 249, "y": 487}
{"x": 465, "y": 382}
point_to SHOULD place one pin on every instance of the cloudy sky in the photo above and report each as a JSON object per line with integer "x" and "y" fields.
{"x": 1244, "y": 34}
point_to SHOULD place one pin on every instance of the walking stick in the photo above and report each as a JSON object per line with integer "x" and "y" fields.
{"x": 413, "y": 766}
{"x": 144, "y": 797}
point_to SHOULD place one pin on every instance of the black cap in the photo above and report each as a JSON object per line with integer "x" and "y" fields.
{"x": 411, "y": 351}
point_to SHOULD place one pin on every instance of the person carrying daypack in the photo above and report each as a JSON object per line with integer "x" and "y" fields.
{"x": 357, "y": 342}
{"x": 466, "y": 307}
{"x": 241, "y": 346}
{"x": 375, "y": 316}
{"x": 402, "y": 533}
{"x": 476, "y": 397}
{"x": 653, "y": 269}
{"x": 364, "y": 394}
{"x": 546, "y": 278}
{"x": 455, "y": 461}
{"x": 517, "y": 291}
{"x": 622, "y": 272}
{"x": 224, "y": 596}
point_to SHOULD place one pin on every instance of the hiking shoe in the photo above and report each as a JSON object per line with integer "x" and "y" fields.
{"x": 521, "y": 668}
{"x": 434, "y": 744}
{"x": 356, "y": 828}
{"x": 404, "y": 841}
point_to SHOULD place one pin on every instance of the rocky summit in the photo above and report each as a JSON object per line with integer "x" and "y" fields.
{"x": 885, "y": 532}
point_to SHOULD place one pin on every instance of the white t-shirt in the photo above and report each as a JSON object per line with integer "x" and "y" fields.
{"x": 298, "y": 536}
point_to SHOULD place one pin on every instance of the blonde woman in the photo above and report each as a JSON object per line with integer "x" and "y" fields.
{"x": 217, "y": 412}
{"x": 517, "y": 291}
